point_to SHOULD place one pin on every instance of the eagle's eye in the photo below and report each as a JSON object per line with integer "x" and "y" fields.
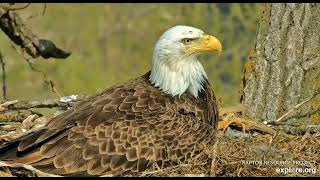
{"x": 187, "y": 40}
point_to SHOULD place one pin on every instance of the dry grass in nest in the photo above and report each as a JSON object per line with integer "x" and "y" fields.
{"x": 257, "y": 155}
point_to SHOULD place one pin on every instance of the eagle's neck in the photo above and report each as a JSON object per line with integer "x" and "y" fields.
{"x": 175, "y": 75}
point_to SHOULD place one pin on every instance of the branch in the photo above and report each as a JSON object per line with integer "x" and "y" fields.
{"x": 20, "y": 8}
{"x": 4, "y": 85}
{"x": 297, "y": 106}
{"x": 63, "y": 103}
{"x": 43, "y": 11}
{"x": 45, "y": 78}
{"x": 13, "y": 116}
{"x": 12, "y": 25}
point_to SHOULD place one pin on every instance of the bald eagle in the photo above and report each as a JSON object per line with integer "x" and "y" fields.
{"x": 160, "y": 117}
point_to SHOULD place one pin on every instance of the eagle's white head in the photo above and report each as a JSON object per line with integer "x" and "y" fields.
{"x": 175, "y": 67}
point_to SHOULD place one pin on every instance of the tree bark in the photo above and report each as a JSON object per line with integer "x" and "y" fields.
{"x": 284, "y": 68}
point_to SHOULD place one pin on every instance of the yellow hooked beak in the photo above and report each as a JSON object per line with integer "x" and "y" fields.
{"x": 205, "y": 43}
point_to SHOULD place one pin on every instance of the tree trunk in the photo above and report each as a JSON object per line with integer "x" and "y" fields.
{"x": 283, "y": 70}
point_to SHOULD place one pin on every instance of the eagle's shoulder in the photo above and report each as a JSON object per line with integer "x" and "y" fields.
{"x": 135, "y": 99}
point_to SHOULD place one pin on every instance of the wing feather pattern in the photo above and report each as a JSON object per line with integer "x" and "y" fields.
{"x": 123, "y": 129}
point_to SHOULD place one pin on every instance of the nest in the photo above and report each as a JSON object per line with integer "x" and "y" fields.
{"x": 260, "y": 155}
{"x": 258, "y": 150}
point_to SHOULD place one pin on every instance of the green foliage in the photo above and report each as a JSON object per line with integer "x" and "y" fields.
{"x": 112, "y": 43}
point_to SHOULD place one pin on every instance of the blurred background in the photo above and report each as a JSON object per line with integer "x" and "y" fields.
{"x": 112, "y": 43}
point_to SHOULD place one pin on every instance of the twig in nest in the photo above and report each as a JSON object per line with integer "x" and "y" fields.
{"x": 215, "y": 154}
{"x": 61, "y": 103}
{"x": 4, "y": 106}
{"x": 296, "y": 107}
{"x": 244, "y": 122}
{"x": 4, "y": 85}
{"x": 13, "y": 116}
{"x": 271, "y": 142}
{"x": 164, "y": 169}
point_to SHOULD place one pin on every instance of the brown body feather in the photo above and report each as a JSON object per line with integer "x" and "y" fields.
{"x": 122, "y": 130}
